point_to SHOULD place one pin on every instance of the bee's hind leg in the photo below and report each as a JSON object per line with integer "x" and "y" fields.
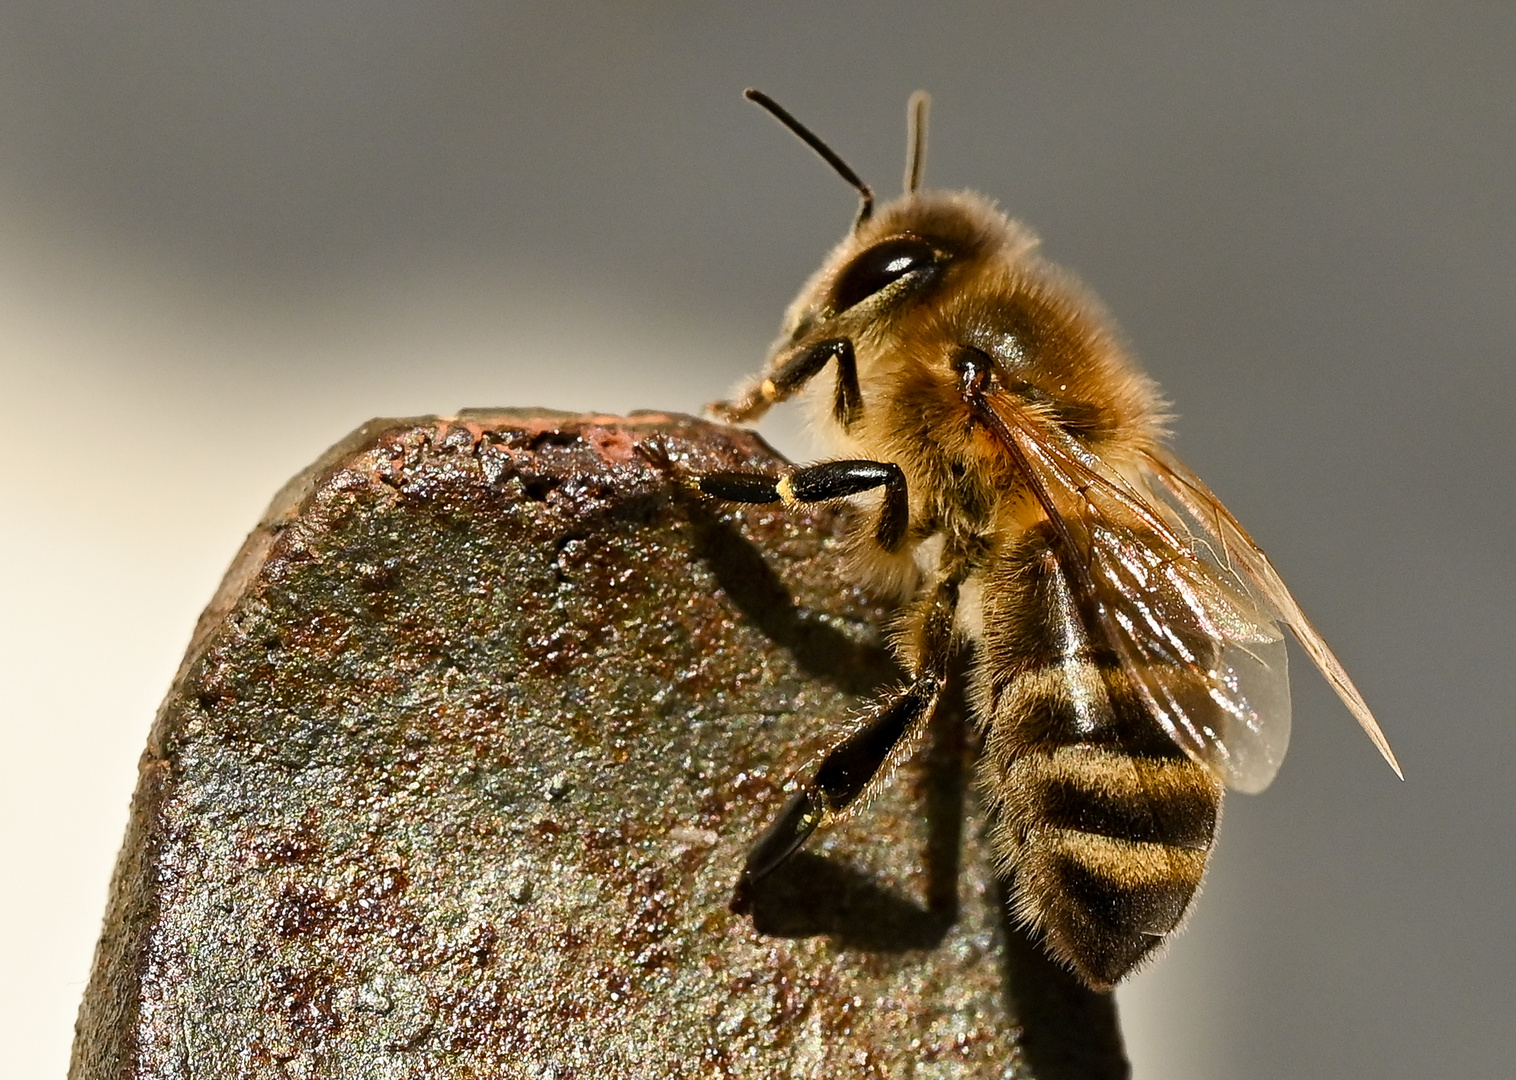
{"x": 843, "y": 775}
{"x": 849, "y": 768}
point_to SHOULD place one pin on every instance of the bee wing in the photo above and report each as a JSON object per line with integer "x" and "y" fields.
{"x": 1189, "y": 494}
{"x": 1197, "y": 641}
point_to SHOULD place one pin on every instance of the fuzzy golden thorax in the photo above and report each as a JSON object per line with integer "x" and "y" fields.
{"x": 988, "y": 290}
{"x": 1052, "y": 344}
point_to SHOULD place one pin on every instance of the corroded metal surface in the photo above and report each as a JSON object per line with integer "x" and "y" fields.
{"x": 459, "y": 771}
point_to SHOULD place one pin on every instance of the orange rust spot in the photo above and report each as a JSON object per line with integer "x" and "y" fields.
{"x": 300, "y": 845}
{"x": 614, "y": 445}
{"x": 302, "y": 910}
{"x": 308, "y": 1001}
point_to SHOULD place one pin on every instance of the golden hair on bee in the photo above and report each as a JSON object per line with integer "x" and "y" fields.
{"x": 1129, "y": 656}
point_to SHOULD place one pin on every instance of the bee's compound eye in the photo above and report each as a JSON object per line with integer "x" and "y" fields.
{"x": 879, "y": 267}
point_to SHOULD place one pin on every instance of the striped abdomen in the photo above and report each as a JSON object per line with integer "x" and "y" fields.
{"x": 1103, "y": 820}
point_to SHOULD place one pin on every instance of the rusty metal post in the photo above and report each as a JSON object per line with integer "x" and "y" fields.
{"x": 460, "y": 768}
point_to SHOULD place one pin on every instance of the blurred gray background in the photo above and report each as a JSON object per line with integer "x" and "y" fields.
{"x": 229, "y": 233}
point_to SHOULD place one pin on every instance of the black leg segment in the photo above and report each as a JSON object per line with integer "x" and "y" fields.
{"x": 849, "y": 767}
{"x": 799, "y": 369}
{"x": 851, "y": 764}
{"x": 822, "y": 483}
{"x": 790, "y": 374}
{"x": 843, "y": 775}
{"x": 839, "y": 479}
{"x": 799, "y": 818}
{"x": 740, "y": 487}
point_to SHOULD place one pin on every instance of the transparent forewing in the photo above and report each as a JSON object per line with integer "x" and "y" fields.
{"x": 1189, "y": 500}
{"x": 1197, "y": 643}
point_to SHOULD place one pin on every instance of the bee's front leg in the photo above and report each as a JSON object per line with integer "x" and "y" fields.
{"x": 790, "y": 374}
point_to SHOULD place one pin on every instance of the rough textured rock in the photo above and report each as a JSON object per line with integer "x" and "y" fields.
{"x": 459, "y": 770}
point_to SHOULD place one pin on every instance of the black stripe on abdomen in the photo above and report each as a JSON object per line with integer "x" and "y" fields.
{"x": 1107, "y": 850}
{"x": 1183, "y": 818}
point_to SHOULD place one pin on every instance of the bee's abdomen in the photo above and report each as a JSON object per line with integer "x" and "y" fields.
{"x": 1107, "y": 849}
{"x": 1082, "y": 789}
{"x": 1105, "y": 823}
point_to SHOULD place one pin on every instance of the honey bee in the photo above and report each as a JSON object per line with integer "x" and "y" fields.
{"x": 1129, "y": 656}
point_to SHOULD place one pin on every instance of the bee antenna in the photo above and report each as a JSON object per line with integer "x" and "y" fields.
{"x": 807, "y": 136}
{"x": 915, "y": 139}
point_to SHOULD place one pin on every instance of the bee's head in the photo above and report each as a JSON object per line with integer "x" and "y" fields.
{"x": 900, "y": 252}
{"x": 922, "y": 277}
{"x": 912, "y": 250}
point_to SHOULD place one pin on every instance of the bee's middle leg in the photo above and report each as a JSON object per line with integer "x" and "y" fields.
{"x": 822, "y": 483}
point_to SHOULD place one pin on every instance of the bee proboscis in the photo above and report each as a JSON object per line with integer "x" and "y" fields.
{"x": 1128, "y": 633}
